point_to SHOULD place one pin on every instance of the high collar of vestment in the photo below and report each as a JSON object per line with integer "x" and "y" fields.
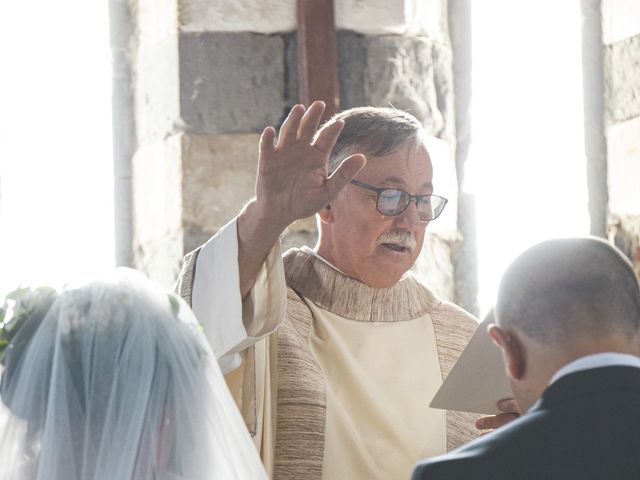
{"x": 317, "y": 280}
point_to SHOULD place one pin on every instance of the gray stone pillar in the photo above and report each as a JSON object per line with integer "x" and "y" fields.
{"x": 122, "y": 23}
{"x": 621, "y": 36}
{"x": 465, "y": 254}
{"x": 593, "y": 102}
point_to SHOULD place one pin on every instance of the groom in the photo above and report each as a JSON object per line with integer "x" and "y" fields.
{"x": 568, "y": 324}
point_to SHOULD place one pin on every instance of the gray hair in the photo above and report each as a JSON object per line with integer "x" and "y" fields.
{"x": 568, "y": 288}
{"x": 374, "y": 131}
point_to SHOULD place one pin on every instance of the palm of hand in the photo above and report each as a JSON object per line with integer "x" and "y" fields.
{"x": 292, "y": 175}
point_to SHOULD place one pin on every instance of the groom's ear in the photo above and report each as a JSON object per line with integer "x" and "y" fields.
{"x": 512, "y": 351}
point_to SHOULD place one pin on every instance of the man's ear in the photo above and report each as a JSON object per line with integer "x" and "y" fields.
{"x": 512, "y": 351}
{"x": 325, "y": 214}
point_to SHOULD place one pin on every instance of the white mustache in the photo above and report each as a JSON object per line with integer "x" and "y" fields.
{"x": 398, "y": 237}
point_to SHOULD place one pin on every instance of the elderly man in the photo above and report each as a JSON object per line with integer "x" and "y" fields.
{"x": 334, "y": 353}
{"x": 568, "y": 324}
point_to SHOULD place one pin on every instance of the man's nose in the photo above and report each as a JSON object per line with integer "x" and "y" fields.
{"x": 409, "y": 218}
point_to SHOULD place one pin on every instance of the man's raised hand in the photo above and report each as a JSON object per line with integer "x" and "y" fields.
{"x": 292, "y": 178}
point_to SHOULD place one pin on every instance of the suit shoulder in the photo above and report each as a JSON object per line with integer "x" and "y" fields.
{"x": 454, "y": 466}
{"x": 498, "y": 455}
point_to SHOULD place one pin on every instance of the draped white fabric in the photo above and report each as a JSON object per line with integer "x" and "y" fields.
{"x": 118, "y": 382}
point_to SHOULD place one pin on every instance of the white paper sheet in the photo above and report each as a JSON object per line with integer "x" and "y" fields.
{"x": 478, "y": 380}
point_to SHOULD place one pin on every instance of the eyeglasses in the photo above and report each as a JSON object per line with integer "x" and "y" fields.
{"x": 394, "y": 201}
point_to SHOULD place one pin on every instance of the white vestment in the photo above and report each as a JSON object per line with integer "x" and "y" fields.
{"x": 333, "y": 377}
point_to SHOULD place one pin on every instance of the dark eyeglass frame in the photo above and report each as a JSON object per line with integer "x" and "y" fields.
{"x": 410, "y": 197}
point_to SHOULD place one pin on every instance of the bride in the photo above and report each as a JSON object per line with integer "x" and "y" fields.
{"x": 115, "y": 380}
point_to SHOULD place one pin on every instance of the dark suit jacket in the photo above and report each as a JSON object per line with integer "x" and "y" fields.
{"x": 586, "y": 426}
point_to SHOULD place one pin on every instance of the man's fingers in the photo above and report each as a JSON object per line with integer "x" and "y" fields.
{"x": 328, "y": 136}
{"x": 289, "y": 129}
{"x": 310, "y": 121}
{"x": 482, "y": 423}
{"x": 344, "y": 173}
{"x": 495, "y": 421}
{"x": 266, "y": 144}
{"x": 508, "y": 405}
{"x": 510, "y": 411}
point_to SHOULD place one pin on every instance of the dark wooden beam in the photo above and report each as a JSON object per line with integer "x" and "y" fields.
{"x": 317, "y": 55}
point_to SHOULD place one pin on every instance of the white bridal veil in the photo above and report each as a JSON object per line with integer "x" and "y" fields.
{"x": 114, "y": 380}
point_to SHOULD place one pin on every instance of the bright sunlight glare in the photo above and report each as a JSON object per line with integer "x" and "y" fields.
{"x": 56, "y": 174}
{"x": 527, "y": 165}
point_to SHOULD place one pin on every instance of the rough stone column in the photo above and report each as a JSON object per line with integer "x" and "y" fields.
{"x": 122, "y": 23}
{"x": 593, "y": 103}
{"x": 465, "y": 254}
{"x": 621, "y": 36}
{"x": 156, "y": 167}
{"x": 212, "y": 75}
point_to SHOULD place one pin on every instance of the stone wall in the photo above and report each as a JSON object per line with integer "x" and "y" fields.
{"x": 621, "y": 37}
{"x": 209, "y": 76}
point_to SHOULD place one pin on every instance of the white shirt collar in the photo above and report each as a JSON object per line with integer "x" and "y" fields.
{"x": 597, "y": 360}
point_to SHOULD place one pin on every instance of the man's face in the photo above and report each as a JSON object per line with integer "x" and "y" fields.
{"x": 366, "y": 245}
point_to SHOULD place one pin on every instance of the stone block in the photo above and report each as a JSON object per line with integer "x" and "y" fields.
{"x": 622, "y": 80}
{"x": 405, "y": 72}
{"x": 291, "y": 69}
{"x": 303, "y": 232}
{"x": 445, "y": 183}
{"x": 445, "y": 89}
{"x": 352, "y": 68}
{"x": 376, "y": 17}
{"x": 624, "y": 233}
{"x": 399, "y": 17}
{"x": 157, "y": 91}
{"x": 123, "y": 224}
{"x": 434, "y": 266}
{"x": 157, "y": 226}
{"x": 465, "y": 256}
{"x": 259, "y": 16}
{"x": 623, "y": 160}
{"x": 155, "y": 21}
{"x": 218, "y": 178}
{"x": 160, "y": 258}
{"x": 231, "y": 82}
{"x": 620, "y": 20}
{"x": 401, "y": 73}
{"x": 296, "y": 239}
{"x": 157, "y": 174}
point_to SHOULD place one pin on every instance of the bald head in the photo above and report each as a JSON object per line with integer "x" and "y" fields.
{"x": 565, "y": 289}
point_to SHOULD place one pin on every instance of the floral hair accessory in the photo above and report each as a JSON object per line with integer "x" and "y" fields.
{"x": 20, "y": 307}
{"x": 174, "y": 303}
